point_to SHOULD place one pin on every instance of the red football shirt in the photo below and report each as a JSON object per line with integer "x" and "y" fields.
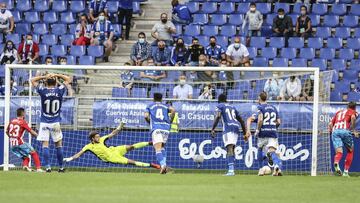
{"x": 16, "y": 129}
{"x": 342, "y": 119}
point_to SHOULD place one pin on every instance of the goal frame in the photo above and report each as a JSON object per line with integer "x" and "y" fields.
{"x": 313, "y": 70}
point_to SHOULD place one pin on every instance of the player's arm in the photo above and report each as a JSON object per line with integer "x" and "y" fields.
{"x": 75, "y": 156}
{"x": 331, "y": 123}
{"x": 172, "y": 113}
{"x": 7, "y": 131}
{"x": 67, "y": 79}
{"x": 116, "y": 131}
{"x": 259, "y": 124}
{"x": 353, "y": 125}
{"x": 216, "y": 121}
{"x": 35, "y": 80}
{"x": 242, "y": 123}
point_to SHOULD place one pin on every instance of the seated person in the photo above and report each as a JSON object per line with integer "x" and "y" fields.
{"x": 161, "y": 55}
{"x": 237, "y": 54}
{"x": 291, "y": 89}
{"x": 82, "y": 33}
{"x": 183, "y": 90}
{"x": 127, "y": 79}
{"x": 9, "y": 54}
{"x": 140, "y": 51}
{"x": 6, "y": 20}
{"x": 307, "y": 93}
{"x": 282, "y": 26}
{"x": 303, "y": 24}
{"x": 152, "y": 75}
{"x": 214, "y": 52}
{"x": 194, "y": 51}
{"x": 102, "y": 34}
{"x": 207, "y": 92}
{"x": 273, "y": 87}
{"x": 180, "y": 13}
{"x": 28, "y": 51}
{"x": 95, "y": 8}
{"x": 179, "y": 53}
{"x": 207, "y": 75}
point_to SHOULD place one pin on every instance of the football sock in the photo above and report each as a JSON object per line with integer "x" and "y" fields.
{"x": 141, "y": 164}
{"x": 276, "y": 159}
{"x": 230, "y": 160}
{"x": 163, "y": 151}
{"x": 36, "y": 159}
{"x": 26, "y": 161}
{"x": 140, "y": 145}
{"x": 46, "y": 155}
{"x": 337, "y": 157}
{"x": 348, "y": 160}
{"x": 261, "y": 157}
{"x": 59, "y": 156}
{"x": 160, "y": 158}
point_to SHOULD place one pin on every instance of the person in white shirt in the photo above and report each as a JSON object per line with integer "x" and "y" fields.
{"x": 162, "y": 31}
{"x": 183, "y": 90}
{"x": 291, "y": 89}
{"x": 9, "y": 54}
{"x": 237, "y": 54}
{"x": 6, "y": 20}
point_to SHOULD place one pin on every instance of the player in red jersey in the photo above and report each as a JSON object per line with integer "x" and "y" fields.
{"x": 342, "y": 127}
{"x": 15, "y": 131}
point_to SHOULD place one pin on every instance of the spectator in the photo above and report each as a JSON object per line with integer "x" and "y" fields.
{"x": 255, "y": 20}
{"x": 179, "y": 53}
{"x": 291, "y": 89}
{"x": 26, "y": 90}
{"x": 194, "y": 51}
{"x": 9, "y": 54}
{"x": 208, "y": 75}
{"x": 163, "y": 30}
{"x": 48, "y": 60}
{"x": 152, "y": 75}
{"x": 6, "y": 20}
{"x": 13, "y": 88}
{"x": 307, "y": 93}
{"x": 273, "y": 87}
{"x": 96, "y": 7}
{"x": 180, "y": 13}
{"x": 102, "y": 34}
{"x": 161, "y": 55}
{"x": 282, "y": 26}
{"x": 237, "y": 54}
{"x": 303, "y": 24}
{"x": 125, "y": 12}
{"x": 127, "y": 79}
{"x": 183, "y": 90}
{"x": 214, "y": 52}
{"x": 28, "y": 51}
{"x": 82, "y": 33}
{"x": 140, "y": 51}
{"x": 207, "y": 92}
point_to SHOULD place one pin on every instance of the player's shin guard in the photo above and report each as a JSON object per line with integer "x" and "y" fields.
{"x": 141, "y": 164}
{"x": 337, "y": 157}
{"x": 36, "y": 159}
{"x": 59, "y": 156}
{"x": 348, "y": 160}
{"x": 46, "y": 155}
{"x": 26, "y": 161}
{"x": 140, "y": 145}
{"x": 160, "y": 158}
{"x": 276, "y": 159}
{"x": 230, "y": 160}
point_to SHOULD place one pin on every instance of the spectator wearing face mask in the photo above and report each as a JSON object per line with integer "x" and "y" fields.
{"x": 180, "y": 13}
{"x": 102, "y": 34}
{"x": 140, "y": 51}
{"x": 9, "y": 54}
{"x": 291, "y": 89}
{"x": 255, "y": 20}
{"x": 96, "y": 7}
{"x": 163, "y": 30}
{"x": 282, "y": 26}
{"x": 161, "y": 55}
{"x": 82, "y": 33}
{"x": 214, "y": 52}
{"x": 194, "y": 51}
{"x": 307, "y": 93}
{"x": 208, "y": 75}
{"x": 303, "y": 24}
{"x": 183, "y": 90}
{"x": 26, "y": 90}
{"x": 6, "y": 20}
{"x": 273, "y": 87}
{"x": 28, "y": 51}
{"x": 179, "y": 53}
{"x": 237, "y": 54}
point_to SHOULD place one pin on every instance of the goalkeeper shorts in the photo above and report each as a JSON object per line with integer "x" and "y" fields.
{"x": 118, "y": 156}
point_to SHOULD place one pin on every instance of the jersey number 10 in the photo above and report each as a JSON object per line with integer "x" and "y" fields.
{"x": 52, "y": 106}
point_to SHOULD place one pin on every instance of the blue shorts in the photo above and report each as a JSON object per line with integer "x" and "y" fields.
{"x": 22, "y": 150}
{"x": 341, "y": 138}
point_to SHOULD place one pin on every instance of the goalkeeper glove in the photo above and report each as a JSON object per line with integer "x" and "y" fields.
{"x": 68, "y": 159}
{"x": 121, "y": 126}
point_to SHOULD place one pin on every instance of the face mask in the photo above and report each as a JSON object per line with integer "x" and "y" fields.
{"x": 252, "y": 9}
{"x": 62, "y": 63}
{"x": 311, "y": 77}
{"x": 223, "y": 65}
{"x": 48, "y": 63}
{"x": 182, "y": 82}
{"x": 303, "y": 13}
{"x": 26, "y": 88}
{"x": 2, "y": 10}
{"x": 202, "y": 63}
{"x": 212, "y": 44}
{"x": 10, "y": 46}
{"x": 101, "y": 18}
{"x": 141, "y": 40}
{"x": 281, "y": 16}
{"x": 163, "y": 20}
{"x": 29, "y": 41}
{"x": 237, "y": 45}
{"x": 161, "y": 48}
{"x": 180, "y": 44}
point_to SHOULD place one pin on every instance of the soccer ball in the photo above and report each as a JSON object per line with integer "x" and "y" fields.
{"x": 267, "y": 170}
{"x": 198, "y": 159}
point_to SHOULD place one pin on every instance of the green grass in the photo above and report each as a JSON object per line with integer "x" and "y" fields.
{"x": 88, "y": 187}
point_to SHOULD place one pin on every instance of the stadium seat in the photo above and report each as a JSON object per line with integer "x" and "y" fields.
{"x": 355, "y": 64}
{"x": 43, "y": 49}
{"x": 79, "y": 6}
{"x": 210, "y": 30}
{"x": 353, "y": 96}
{"x": 288, "y": 53}
{"x": 200, "y": 18}
{"x": 23, "y": 5}
{"x": 227, "y": 7}
{"x": 204, "y": 40}
{"x": 119, "y": 92}
{"x": 136, "y": 8}
{"x": 338, "y": 64}
{"x": 36, "y": 38}
{"x": 270, "y": 18}
{"x": 71, "y": 60}
{"x": 187, "y": 39}
{"x": 299, "y": 62}
{"x": 277, "y": 42}
{"x": 323, "y": 32}
{"x": 294, "y": 18}
{"x": 335, "y": 96}
{"x": 342, "y": 32}
{"x": 319, "y": 9}
{"x": 346, "y": 54}
{"x": 353, "y": 43}
{"x": 22, "y": 28}
{"x": 58, "y": 29}
{"x": 218, "y": 19}
{"x": 334, "y": 42}
{"x": 315, "y": 20}
{"x": 113, "y": 6}
{"x": 14, "y": 38}
{"x": 32, "y": 17}
{"x": 297, "y": 8}
{"x": 342, "y": 86}
{"x": 357, "y": 32}
{"x": 67, "y": 39}
{"x": 260, "y": 62}
{"x": 86, "y": 60}
{"x": 139, "y": 92}
{"x": 67, "y": 17}
{"x": 77, "y": 50}
{"x": 351, "y": 75}
{"x": 59, "y": 6}
{"x": 280, "y": 62}
{"x": 40, "y": 28}
{"x": 228, "y": 30}
{"x": 49, "y": 39}
{"x": 331, "y": 20}
{"x": 192, "y": 30}
{"x": 223, "y": 41}
{"x": 96, "y": 51}
{"x": 351, "y": 21}
{"x": 243, "y": 8}
{"x": 327, "y": 53}
{"x": 17, "y": 16}
{"x": 258, "y": 42}
{"x": 315, "y": 42}
{"x": 50, "y": 17}
{"x": 338, "y": 9}
{"x": 209, "y": 7}
{"x": 321, "y": 63}
{"x": 284, "y": 6}
{"x": 178, "y": 27}
{"x": 264, "y": 8}
{"x": 193, "y": 7}
{"x": 296, "y": 42}
{"x": 236, "y": 19}
{"x": 252, "y": 52}
{"x": 355, "y": 9}
{"x": 41, "y": 5}
{"x": 307, "y": 53}
{"x": 346, "y": 1}
{"x": 58, "y": 50}
{"x": 269, "y": 52}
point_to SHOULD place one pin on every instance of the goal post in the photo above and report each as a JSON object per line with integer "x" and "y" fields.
{"x": 102, "y": 78}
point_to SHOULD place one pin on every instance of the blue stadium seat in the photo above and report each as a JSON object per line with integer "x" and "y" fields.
{"x": 236, "y": 19}
{"x": 67, "y": 17}
{"x": 269, "y": 52}
{"x": 227, "y": 7}
{"x": 260, "y": 62}
{"x": 353, "y": 96}
{"x": 41, "y": 5}
{"x": 351, "y": 21}
{"x": 218, "y": 19}
{"x": 321, "y": 63}
{"x": 77, "y": 50}
{"x": 355, "y": 9}
{"x": 228, "y": 30}
{"x": 17, "y": 16}
{"x": 338, "y": 9}
{"x": 357, "y": 32}
{"x": 67, "y": 39}
{"x": 297, "y": 8}
{"x": 284, "y": 6}
{"x": 43, "y": 49}
{"x": 58, "y": 50}
{"x": 319, "y": 9}
{"x": 187, "y": 39}
{"x": 36, "y": 38}
{"x": 58, "y": 29}
{"x": 204, "y": 40}
{"x": 289, "y": 53}
{"x": 136, "y": 8}
{"x": 270, "y": 18}
{"x": 32, "y": 17}
{"x": 315, "y": 42}
{"x": 192, "y": 30}
{"x": 280, "y": 62}
{"x": 296, "y": 42}
{"x": 23, "y": 5}
{"x": 294, "y": 18}
{"x": 323, "y": 32}
{"x": 264, "y": 8}
{"x": 71, "y": 60}
{"x": 266, "y": 31}
{"x": 79, "y": 6}
{"x": 22, "y": 28}
{"x": 96, "y": 51}
{"x": 351, "y": 75}
{"x": 346, "y": 1}
{"x": 200, "y": 18}
{"x": 243, "y": 8}
{"x": 193, "y": 7}
{"x": 355, "y": 64}
{"x": 139, "y": 92}
{"x": 327, "y": 53}
{"x": 307, "y": 53}
{"x": 315, "y": 20}
{"x": 331, "y": 20}
{"x": 346, "y": 54}
{"x": 179, "y": 29}
{"x": 49, "y": 39}
{"x": 299, "y": 62}
{"x": 50, "y": 17}
{"x": 14, "y": 38}
{"x": 342, "y": 32}
{"x": 210, "y": 30}
{"x": 335, "y": 96}
{"x": 277, "y": 42}
{"x": 209, "y": 7}
{"x": 338, "y": 64}
{"x": 86, "y": 60}
{"x": 59, "y": 6}
{"x": 342, "y": 86}
{"x": 258, "y": 42}
{"x": 252, "y": 52}
{"x": 334, "y": 42}
{"x": 353, "y": 43}
{"x": 119, "y": 92}
{"x": 113, "y": 6}
{"x": 222, "y": 41}
{"x": 40, "y": 28}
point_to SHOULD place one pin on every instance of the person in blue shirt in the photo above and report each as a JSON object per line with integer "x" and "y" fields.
{"x": 95, "y": 8}
{"x": 268, "y": 120}
{"x": 125, "y": 12}
{"x": 160, "y": 117}
{"x": 161, "y": 55}
{"x": 51, "y": 96}
{"x": 140, "y": 51}
{"x": 231, "y": 122}
{"x": 214, "y": 52}
{"x": 179, "y": 53}
{"x": 102, "y": 34}
{"x": 180, "y": 13}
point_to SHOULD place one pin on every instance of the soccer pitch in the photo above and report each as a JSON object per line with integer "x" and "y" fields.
{"x": 149, "y": 187}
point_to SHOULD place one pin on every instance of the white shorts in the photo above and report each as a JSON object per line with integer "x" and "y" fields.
{"x": 267, "y": 142}
{"x": 47, "y": 129}
{"x": 230, "y": 138}
{"x": 160, "y": 136}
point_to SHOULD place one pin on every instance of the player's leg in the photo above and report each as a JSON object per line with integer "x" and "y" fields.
{"x": 57, "y": 138}
{"x": 137, "y": 145}
{"x": 27, "y": 150}
{"x": 230, "y": 140}
{"x": 273, "y": 156}
{"x": 44, "y": 135}
{"x": 142, "y": 164}
{"x": 349, "y": 144}
{"x": 338, "y": 145}
{"x": 159, "y": 138}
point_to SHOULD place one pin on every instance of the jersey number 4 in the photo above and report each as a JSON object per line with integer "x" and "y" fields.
{"x": 159, "y": 114}
{"x": 269, "y": 118}
{"x": 52, "y": 106}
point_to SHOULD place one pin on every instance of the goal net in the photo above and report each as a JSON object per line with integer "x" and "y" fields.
{"x": 104, "y": 96}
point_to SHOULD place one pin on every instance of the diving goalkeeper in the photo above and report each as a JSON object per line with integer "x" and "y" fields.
{"x": 112, "y": 154}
